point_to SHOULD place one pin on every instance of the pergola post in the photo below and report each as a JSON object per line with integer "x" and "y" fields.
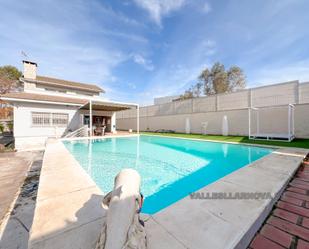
{"x": 137, "y": 119}
{"x": 90, "y": 117}
{"x": 249, "y": 115}
{"x": 258, "y": 122}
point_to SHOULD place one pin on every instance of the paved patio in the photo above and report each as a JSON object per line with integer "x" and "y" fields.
{"x": 13, "y": 169}
{"x": 288, "y": 224}
{"x": 19, "y": 181}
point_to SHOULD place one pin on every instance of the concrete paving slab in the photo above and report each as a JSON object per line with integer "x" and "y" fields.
{"x": 13, "y": 169}
{"x": 282, "y": 161}
{"x": 14, "y": 232}
{"x": 261, "y": 179}
{"x": 78, "y": 180}
{"x": 194, "y": 226}
{"x": 57, "y": 215}
{"x": 25, "y": 215}
{"x": 64, "y": 160}
{"x": 82, "y": 237}
{"x": 14, "y": 236}
{"x": 218, "y": 207}
{"x": 159, "y": 238}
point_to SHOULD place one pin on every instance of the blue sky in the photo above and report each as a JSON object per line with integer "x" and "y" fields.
{"x": 139, "y": 49}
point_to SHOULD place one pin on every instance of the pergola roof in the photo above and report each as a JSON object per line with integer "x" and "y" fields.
{"x": 108, "y": 106}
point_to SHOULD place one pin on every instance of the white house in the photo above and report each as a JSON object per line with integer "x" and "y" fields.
{"x": 48, "y": 107}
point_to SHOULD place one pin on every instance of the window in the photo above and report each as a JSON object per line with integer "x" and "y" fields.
{"x": 60, "y": 119}
{"x": 43, "y": 119}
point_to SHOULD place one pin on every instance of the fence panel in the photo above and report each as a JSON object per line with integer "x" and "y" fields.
{"x": 119, "y": 115}
{"x": 232, "y": 101}
{"x": 280, "y": 94}
{"x": 166, "y": 109}
{"x": 204, "y": 104}
{"x": 304, "y": 93}
{"x": 143, "y": 111}
{"x": 152, "y": 110}
{"x": 126, "y": 114}
{"x": 184, "y": 106}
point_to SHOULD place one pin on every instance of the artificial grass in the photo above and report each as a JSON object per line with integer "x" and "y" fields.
{"x": 298, "y": 143}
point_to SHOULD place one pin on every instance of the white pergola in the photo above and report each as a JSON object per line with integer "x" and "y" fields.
{"x": 259, "y": 132}
{"x": 109, "y": 106}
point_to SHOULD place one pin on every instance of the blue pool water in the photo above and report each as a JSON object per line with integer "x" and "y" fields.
{"x": 170, "y": 168}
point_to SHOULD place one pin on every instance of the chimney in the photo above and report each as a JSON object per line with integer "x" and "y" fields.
{"x": 30, "y": 69}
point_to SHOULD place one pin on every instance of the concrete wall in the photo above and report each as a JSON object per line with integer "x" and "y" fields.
{"x": 302, "y": 120}
{"x": 279, "y": 94}
{"x": 206, "y": 113}
{"x": 274, "y": 121}
{"x": 304, "y": 93}
{"x": 237, "y": 120}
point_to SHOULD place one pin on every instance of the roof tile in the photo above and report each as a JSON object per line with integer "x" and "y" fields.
{"x": 40, "y": 97}
{"x": 66, "y": 83}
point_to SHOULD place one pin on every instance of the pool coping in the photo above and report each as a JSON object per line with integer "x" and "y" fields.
{"x": 77, "y": 224}
{"x": 97, "y": 137}
{"x": 225, "y": 142}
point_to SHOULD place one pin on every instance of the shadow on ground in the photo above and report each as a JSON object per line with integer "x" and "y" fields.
{"x": 81, "y": 231}
{"x": 15, "y": 234}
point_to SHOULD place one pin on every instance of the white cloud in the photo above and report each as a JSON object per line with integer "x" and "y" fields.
{"x": 206, "y": 7}
{"x": 159, "y": 8}
{"x": 139, "y": 59}
{"x": 208, "y": 47}
{"x": 124, "y": 35}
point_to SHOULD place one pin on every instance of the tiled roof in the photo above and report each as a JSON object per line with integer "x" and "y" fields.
{"x": 40, "y": 97}
{"x": 65, "y": 83}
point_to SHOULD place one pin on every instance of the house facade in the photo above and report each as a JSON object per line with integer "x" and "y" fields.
{"x": 49, "y": 107}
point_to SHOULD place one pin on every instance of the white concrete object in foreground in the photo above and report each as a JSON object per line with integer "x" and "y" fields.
{"x": 48, "y": 107}
{"x": 123, "y": 228}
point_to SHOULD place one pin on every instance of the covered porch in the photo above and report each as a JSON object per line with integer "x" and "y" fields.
{"x": 100, "y": 116}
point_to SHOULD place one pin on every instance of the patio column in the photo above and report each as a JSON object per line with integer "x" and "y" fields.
{"x": 249, "y": 116}
{"x": 113, "y": 123}
{"x": 90, "y": 117}
{"x": 137, "y": 119}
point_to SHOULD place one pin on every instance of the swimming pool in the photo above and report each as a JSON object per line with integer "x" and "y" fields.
{"x": 170, "y": 168}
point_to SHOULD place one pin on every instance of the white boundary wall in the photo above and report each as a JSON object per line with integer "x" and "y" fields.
{"x": 206, "y": 113}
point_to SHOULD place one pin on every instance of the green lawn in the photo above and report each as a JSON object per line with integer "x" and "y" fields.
{"x": 299, "y": 143}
